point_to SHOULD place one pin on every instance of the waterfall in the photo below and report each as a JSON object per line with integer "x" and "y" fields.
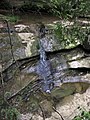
{"x": 44, "y": 65}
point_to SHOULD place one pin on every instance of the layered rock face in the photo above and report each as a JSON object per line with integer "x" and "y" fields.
{"x": 71, "y": 68}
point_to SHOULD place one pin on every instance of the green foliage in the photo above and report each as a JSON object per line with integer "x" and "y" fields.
{"x": 35, "y": 6}
{"x": 7, "y": 112}
{"x": 61, "y": 8}
{"x": 12, "y": 18}
{"x": 70, "y": 8}
{"x": 5, "y": 4}
{"x": 85, "y": 115}
{"x": 10, "y": 113}
{"x": 70, "y": 35}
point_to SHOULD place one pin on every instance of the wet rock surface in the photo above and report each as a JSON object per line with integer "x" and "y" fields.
{"x": 25, "y": 41}
{"x": 62, "y": 71}
{"x": 71, "y": 74}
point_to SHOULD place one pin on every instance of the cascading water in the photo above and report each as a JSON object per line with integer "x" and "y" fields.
{"x": 48, "y": 77}
{"x": 44, "y": 70}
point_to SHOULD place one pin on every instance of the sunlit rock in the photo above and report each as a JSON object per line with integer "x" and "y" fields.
{"x": 21, "y": 28}
{"x": 85, "y": 62}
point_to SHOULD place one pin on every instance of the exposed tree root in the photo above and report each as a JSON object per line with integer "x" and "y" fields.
{"x": 58, "y": 113}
